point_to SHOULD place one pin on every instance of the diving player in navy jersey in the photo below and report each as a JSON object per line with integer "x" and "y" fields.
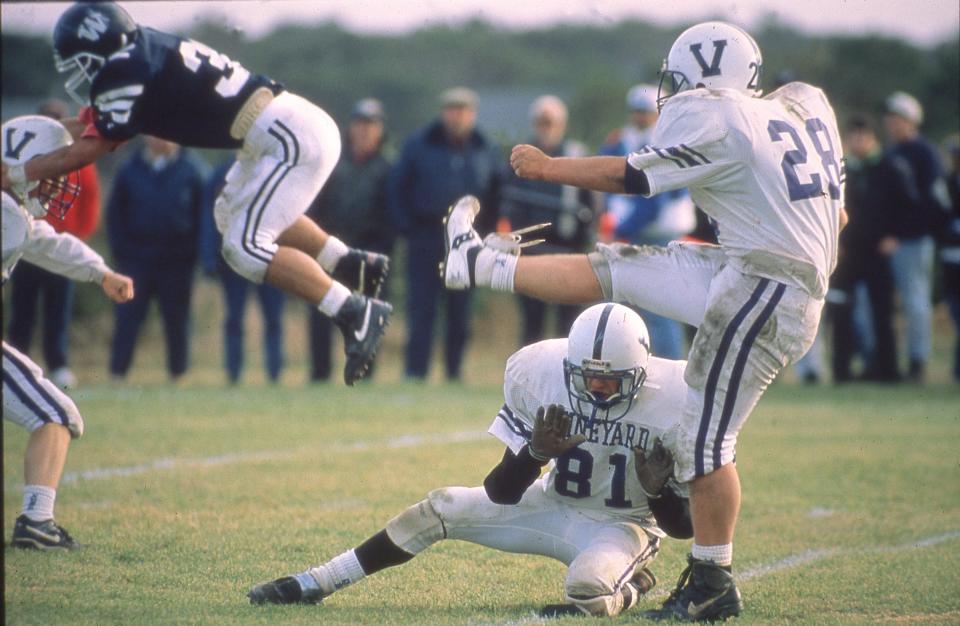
{"x": 143, "y": 81}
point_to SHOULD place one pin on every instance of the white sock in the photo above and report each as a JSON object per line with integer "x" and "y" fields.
{"x": 495, "y": 269}
{"x": 338, "y": 572}
{"x": 721, "y": 555}
{"x": 333, "y": 300}
{"x": 332, "y": 252}
{"x": 38, "y": 502}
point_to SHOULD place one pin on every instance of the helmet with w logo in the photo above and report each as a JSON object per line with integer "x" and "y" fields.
{"x": 715, "y": 55}
{"x": 85, "y": 36}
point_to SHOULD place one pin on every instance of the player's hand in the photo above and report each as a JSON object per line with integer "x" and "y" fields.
{"x": 118, "y": 287}
{"x": 654, "y": 469}
{"x": 528, "y": 161}
{"x": 551, "y": 430}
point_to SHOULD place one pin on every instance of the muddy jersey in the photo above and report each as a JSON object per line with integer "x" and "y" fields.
{"x": 598, "y": 474}
{"x": 174, "y": 88}
{"x": 768, "y": 170}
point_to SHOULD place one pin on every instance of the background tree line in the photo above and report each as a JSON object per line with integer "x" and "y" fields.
{"x": 591, "y": 67}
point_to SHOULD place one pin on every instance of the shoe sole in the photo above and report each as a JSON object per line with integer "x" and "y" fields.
{"x": 30, "y": 544}
{"x": 446, "y": 243}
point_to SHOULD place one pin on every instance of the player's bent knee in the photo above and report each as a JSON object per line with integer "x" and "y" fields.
{"x": 251, "y": 265}
{"x": 417, "y": 528}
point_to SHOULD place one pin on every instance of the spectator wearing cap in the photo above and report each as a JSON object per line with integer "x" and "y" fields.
{"x": 570, "y": 211}
{"x": 31, "y": 284}
{"x": 647, "y": 221}
{"x": 918, "y": 219}
{"x": 236, "y": 288}
{"x": 438, "y": 164}
{"x": 353, "y": 204}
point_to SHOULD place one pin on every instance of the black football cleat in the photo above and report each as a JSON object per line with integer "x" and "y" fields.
{"x": 46, "y": 535}
{"x": 362, "y": 321}
{"x": 363, "y": 271}
{"x": 705, "y": 593}
{"x": 286, "y": 590}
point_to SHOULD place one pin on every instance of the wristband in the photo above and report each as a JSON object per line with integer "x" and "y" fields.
{"x": 536, "y": 455}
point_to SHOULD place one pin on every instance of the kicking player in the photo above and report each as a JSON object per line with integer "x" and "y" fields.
{"x": 29, "y": 399}
{"x": 769, "y": 171}
{"x": 592, "y": 409}
{"x": 143, "y": 81}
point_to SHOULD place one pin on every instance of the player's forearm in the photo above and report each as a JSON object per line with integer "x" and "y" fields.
{"x": 599, "y": 173}
{"x": 68, "y": 158}
{"x": 507, "y": 482}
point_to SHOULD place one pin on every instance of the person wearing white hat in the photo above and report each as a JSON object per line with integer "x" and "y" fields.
{"x": 912, "y": 245}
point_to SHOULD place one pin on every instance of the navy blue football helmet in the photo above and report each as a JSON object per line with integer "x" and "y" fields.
{"x": 85, "y": 36}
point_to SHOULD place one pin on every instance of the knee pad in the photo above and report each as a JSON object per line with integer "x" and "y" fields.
{"x": 417, "y": 528}
{"x": 245, "y": 258}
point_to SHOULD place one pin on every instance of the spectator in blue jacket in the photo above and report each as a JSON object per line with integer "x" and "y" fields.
{"x": 153, "y": 222}
{"x": 235, "y": 289}
{"x": 654, "y": 221}
{"x": 918, "y": 219}
{"x": 448, "y": 159}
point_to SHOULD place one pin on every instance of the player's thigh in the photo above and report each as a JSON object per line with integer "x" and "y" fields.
{"x": 672, "y": 281}
{"x": 752, "y": 329}
{"x": 31, "y": 400}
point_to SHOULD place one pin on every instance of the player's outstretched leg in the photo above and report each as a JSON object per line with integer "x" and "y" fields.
{"x": 705, "y": 592}
{"x": 362, "y": 321}
{"x": 43, "y": 535}
{"x": 363, "y": 270}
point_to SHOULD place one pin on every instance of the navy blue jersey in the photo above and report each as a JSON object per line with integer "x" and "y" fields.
{"x": 174, "y": 88}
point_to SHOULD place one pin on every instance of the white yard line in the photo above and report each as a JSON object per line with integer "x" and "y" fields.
{"x": 232, "y": 458}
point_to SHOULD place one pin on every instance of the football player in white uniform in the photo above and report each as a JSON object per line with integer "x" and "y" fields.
{"x": 29, "y": 399}
{"x": 592, "y": 409}
{"x": 769, "y": 171}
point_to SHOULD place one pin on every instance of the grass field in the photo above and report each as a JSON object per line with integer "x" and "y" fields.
{"x": 186, "y": 496}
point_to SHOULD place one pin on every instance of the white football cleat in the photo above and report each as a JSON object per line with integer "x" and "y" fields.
{"x": 462, "y": 242}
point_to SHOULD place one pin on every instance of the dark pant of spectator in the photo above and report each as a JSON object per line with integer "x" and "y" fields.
{"x": 425, "y": 290}
{"x": 171, "y": 284}
{"x": 876, "y": 274}
{"x": 235, "y": 288}
{"x": 29, "y": 284}
{"x": 534, "y": 313}
{"x": 953, "y": 305}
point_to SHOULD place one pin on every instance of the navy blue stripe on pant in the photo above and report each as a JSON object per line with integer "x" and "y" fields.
{"x": 716, "y": 369}
{"x": 734, "y": 385}
{"x": 32, "y": 389}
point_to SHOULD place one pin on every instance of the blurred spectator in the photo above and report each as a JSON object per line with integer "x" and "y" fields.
{"x": 571, "y": 211}
{"x": 647, "y": 221}
{"x": 153, "y": 225}
{"x": 439, "y": 164}
{"x": 950, "y": 252}
{"x": 29, "y": 283}
{"x": 353, "y": 204}
{"x": 235, "y": 289}
{"x": 912, "y": 243}
{"x": 876, "y": 189}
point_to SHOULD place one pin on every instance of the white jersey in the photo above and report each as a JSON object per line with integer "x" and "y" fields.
{"x": 598, "y": 474}
{"x": 768, "y": 170}
{"x": 37, "y": 242}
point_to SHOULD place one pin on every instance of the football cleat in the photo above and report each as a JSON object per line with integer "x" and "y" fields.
{"x": 45, "y": 535}
{"x": 363, "y": 271}
{"x": 644, "y": 580}
{"x": 553, "y": 611}
{"x": 362, "y": 321}
{"x": 462, "y": 243}
{"x": 705, "y": 593}
{"x": 299, "y": 589}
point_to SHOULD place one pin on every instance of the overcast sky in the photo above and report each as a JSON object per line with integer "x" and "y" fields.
{"x": 921, "y": 21}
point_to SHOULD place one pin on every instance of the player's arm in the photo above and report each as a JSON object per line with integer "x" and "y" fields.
{"x": 80, "y": 153}
{"x": 671, "y": 510}
{"x": 611, "y": 174}
{"x": 507, "y": 482}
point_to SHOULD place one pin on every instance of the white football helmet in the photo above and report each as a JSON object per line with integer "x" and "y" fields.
{"x": 607, "y": 342}
{"x": 715, "y": 55}
{"x": 27, "y": 137}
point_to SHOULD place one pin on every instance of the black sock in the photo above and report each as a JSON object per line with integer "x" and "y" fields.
{"x": 379, "y": 552}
